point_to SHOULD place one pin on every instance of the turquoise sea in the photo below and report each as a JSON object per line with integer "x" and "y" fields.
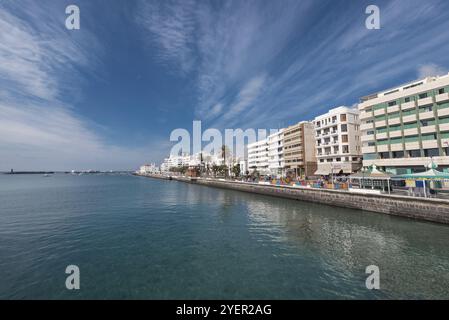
{"x": 139, "y": 238}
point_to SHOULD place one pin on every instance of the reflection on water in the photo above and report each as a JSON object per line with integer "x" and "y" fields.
{"x": 141, "y": 238}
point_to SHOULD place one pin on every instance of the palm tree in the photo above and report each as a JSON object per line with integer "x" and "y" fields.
{"x": 225, "y": 151}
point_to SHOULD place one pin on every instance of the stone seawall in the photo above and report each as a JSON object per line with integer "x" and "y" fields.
{"x": 434, "y": 210}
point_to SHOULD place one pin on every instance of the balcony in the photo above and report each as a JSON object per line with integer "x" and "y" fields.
{"x": 425, "y": 101}
{"x": 429, "y": 144}
{"x": 396, "y": 147}
{"x": 411, "y": 132}
{"x": 395, "y": 134}
{"x": 392, "y": 109}
{"x": 381, "y": 123}
{"x": 382, "y": 135}
{"x": 426, "y": 115}
{"x": 365, "y": 115}
{"x": 443, "y": 112}
{"x": 379, "y": 112}
{"x": 382, "y": 148}
{"x": 365, "y": 138}
{"x": 428, "y": 129}
{"x": 368, "y": 149}
{"x": 444, "y": 126}
{"x": 442, "y": 97}
{"x": 409, "y": 118}
{"x": 408, "y": 105}
{"x": 366, "y": 126}
{"x": 394, "y": 121}
{"x": 412, "y": 146}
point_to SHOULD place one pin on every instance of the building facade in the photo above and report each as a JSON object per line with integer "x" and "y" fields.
{"x": 149, "y": 168}
{"x": 299, "y": 149}
{"x": 258, "y": 157}
{"x": 404, "y": 127}
{"x": 338, "y": 141}
{"x": 276, "y": 153}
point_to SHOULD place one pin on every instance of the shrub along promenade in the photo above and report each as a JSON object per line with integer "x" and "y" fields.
{"x": 435, "y": 210}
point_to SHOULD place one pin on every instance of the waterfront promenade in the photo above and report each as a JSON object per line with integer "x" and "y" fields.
{"x": 435, "y": 210}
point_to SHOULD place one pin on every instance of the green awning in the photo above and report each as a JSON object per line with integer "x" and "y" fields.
{"x": 430, "y": 174}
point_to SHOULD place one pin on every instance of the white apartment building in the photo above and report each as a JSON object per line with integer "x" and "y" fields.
{"x": 258, "y": 157}
{"x": 338, "y": 143}
{"x": 404, "y": 127}
{"x": 276, "y": 161}
{"x": 149, "y": 168}
{"x": 175, "y": 161}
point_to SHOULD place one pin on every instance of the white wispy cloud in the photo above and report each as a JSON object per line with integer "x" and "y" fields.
{"x": 171, "y": 25}
{"x": 313, "y": 59}
{"x": 431, "y": 69}
{"x": 39, "y": 63}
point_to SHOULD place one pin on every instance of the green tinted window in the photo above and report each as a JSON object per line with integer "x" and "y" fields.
{"x": 443, "y": 120}
{"x": 431, "y": 136}
{"x": 411, "y": 125}
{"x": 395, "y": 140}
{"x": 408, "y": 112}
{"x": 395, "y": 127}
{"x": 411, "y": 139}
{"x": 393, "y": 115}
{"x": 443, "y": 105}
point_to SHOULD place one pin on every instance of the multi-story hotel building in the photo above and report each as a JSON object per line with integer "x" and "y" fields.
{"x": 258, "y": 157}
{"x": 338, "y": 142}
{"x": 299, "y": 149}
{"x": 404, "y": 127}
{"x": 276, "y": 153}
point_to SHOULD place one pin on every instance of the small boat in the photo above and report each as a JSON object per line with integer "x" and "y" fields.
{"x": 46, "y": 175}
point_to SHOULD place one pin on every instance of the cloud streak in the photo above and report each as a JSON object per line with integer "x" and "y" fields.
{"x": 314, "y": 55}
{"x": 39, "y": 63}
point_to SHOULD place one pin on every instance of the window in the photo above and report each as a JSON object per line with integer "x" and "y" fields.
{"x": 321, "y": 160}
{"x": 408, "y": 99}
{"x": 371, "y": 144}
{"x": 355, "y": 159}
{"x": 344, "y": 138}
{"x": 392, "y": 103}
{"x": 414, "y": 153}
{"x": 384, "y": 155}
{"x": 410, "y": 125}
{"x": 431, "y": 152}
{"x": 393, "y": 115}
{"x": 426, "y": 109}
{"x": 398, "y": 154}
{"x": 430, "y": 136}
{"x": 345, "y": 150}
{"x": 338, "y": 159}
{"x": 441, "y": 91}
{"x": 343, "y": 117}
{"x": 423, "y": 95}
{"x": 395, "y": 127}
{"x": 344, "y": 128}
{"x": 370, "y": 132}
{"x": 396, "y": 140}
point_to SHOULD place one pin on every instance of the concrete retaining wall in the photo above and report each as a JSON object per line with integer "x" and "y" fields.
{"x": 435, "y": 210}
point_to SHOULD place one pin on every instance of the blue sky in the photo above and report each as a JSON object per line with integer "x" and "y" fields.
{"x": 107, "y": 96}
